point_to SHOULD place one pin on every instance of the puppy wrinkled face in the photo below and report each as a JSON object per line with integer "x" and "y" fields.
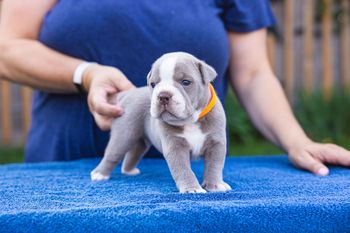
{"x": 179, "y": 87}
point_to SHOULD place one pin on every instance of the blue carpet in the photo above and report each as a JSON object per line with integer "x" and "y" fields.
{"x": 268, "y": 195}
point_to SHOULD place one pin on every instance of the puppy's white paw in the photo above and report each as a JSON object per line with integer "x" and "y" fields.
{"x": 133, "y": 172}
{"x": 216, "y": 187}
{"x": 97, "y": 176}
{"x": 192, "y": 190}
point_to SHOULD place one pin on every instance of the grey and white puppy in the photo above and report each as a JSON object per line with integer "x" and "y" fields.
{"x": 166, "y": 114}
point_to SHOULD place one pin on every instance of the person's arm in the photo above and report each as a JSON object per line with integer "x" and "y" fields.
{"x": 262, "y": 96}
{"x": 26, "y": 61}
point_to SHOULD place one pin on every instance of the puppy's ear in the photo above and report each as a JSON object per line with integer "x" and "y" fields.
{"x": 207, "y": 72}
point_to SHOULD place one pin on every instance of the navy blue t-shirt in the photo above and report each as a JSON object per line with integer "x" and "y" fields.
{"x": 129, "y": 35}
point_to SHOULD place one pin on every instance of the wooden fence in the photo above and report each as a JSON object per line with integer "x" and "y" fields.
{"x": 283, "y": 53}
{"x": 331, "y": 30}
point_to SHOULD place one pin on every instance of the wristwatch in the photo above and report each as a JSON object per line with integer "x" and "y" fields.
{"x": 78, "y": 76}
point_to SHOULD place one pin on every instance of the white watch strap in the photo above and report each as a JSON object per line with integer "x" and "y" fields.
{"x": 79, "y": 71}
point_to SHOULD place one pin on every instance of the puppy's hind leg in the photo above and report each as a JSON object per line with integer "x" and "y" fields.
{"x": 133, "y": 157}
{"x": 117, "y": 147}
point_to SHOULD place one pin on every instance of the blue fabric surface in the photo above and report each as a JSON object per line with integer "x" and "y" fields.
{"x": 269, "y": 195}
{"x": 129, "y": 35}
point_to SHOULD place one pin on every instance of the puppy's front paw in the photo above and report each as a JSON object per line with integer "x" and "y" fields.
{"x": 98, "y": 176}
{"x": 216, "y": 187}
{"x": 192, "y": 190}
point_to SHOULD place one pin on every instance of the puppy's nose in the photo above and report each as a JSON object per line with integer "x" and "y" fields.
{"x": 164, "y": 97}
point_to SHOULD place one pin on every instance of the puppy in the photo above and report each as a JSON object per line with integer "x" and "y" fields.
{"x": 180, "y": 115}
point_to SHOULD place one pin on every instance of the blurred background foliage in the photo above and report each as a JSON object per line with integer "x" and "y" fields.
{"x": 10, "y": 154}
{"x": 323, "y": 120}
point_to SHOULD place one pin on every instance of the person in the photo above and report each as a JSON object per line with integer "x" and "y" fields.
{"x": 44, "y": 43}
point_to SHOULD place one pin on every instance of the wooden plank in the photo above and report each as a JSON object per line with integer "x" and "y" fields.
{"x": 271, "y": 49}
{"x": 26, "y": 95}
{"x": 288, "y": 58}
{"x": 6, "y": 122}
{"x": 327, "y": 75}
{"x": 345, "y": 45}
{"x": 5, "y": 113}
{"x": 308, "y": 45}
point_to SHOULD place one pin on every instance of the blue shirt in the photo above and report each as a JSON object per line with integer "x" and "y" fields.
{"x": 129, "y": 35}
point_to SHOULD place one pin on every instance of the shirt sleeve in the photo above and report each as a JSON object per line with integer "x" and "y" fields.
{"x": 247, "y": 15}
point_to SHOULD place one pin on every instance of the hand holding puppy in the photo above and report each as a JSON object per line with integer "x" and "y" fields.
{"x": 101, "y": 82}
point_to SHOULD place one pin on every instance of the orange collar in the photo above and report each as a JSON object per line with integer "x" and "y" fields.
{"x": 211, "y": 103}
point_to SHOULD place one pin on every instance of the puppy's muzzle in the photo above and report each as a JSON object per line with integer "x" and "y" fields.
{"x": 164, "y": 97}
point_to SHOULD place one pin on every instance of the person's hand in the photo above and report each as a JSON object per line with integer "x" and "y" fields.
{"x": 102, "y": 82}
{"x": 313, "y": 156}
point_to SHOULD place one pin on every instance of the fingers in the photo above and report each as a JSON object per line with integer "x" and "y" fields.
{"x": 104, "y": 115}
{"x": 335, "y": 155}
{"x": 121, "y": 81}
{"x": 108, "y": 110}
{"x": 102, "y": 110}
{"x": 104, "y": 123}
{"x": 307, "y": 162}
{"x": 98, "y": 102}
{"x": 124, "y": 84}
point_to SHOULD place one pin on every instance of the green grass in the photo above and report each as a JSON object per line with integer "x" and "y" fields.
{"x": 256, "y": 148}
{"x": 11, "y": 155}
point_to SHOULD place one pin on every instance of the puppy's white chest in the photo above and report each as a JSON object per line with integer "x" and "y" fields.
{"x": 195, "y": 137}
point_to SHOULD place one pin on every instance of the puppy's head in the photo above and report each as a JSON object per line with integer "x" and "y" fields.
{"x": 179, "y": 86}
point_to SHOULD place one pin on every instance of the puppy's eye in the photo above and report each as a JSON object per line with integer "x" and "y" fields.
{"x": 153, "y": 84}
{"x": 186, "y": 82}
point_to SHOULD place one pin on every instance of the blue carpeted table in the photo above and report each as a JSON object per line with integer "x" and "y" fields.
{"x": 269, "y": 195}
